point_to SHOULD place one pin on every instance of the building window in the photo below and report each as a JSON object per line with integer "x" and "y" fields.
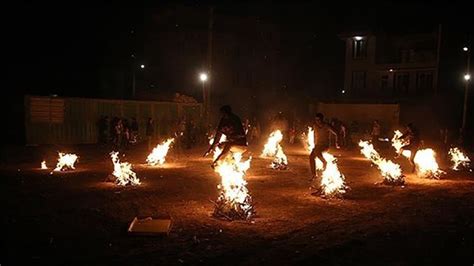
{"x": 358, "y": 80}
{"x": 359, "y": 48}
{"x": 424, "y": 81}
{"x": 402, "y": 82}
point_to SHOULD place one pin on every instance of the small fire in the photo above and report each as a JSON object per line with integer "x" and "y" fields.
{"x": 66, "y": 162}
{"x": 391, "y": 171}
{"x": 271, "y": 147}
{"x": 399, "y": 143}
{"x": 332, "y": 181}
{"x": 123, "y": 172}
{"x": 217, "y": 150}
{"x": 458, "y": 158}
{"x": 310, "y": 139}
{"x": 425, "y": 161}
{"x": 234, "y": 201}
{"x": 158, "y": 155}
{"x": 280, "y": 161}
{"x": 43, "y": 165}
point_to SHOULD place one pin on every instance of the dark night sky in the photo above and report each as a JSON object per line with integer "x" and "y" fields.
{"x": 60, "y": 49}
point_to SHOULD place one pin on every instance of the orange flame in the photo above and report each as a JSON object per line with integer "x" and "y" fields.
{"x": 158, "y": 155}
{"x": 123, "y": 172}
{"x": 391, "y": 171}
{"x": 66, "y": 161}
{"x": 425, "y": 161}
{"x": 458, "y": 158}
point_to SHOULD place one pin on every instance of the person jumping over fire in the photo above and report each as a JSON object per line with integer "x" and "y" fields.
{"x": 412, "y": 136}
{"x": 230, "y": 125}
{"x": 322, "y": 131}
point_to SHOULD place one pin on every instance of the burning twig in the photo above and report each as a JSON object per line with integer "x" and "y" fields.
{"x": 43, "y": 165}
{"x": 158, "y": 155}
{"x": 217, "y": 150}
{"x": 459, "y": 159}
{"x": 123, "y": 172}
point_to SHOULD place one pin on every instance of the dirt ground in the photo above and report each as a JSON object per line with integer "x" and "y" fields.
{"x": 75, "y": 218}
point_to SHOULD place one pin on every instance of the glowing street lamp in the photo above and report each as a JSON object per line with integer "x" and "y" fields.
{"x": 142, "y": 66}
{"x": 203, "y": 77}
{"x": 467, "y": 77}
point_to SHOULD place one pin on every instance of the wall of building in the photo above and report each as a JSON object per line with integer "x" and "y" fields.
{"x": 54, "y": 120}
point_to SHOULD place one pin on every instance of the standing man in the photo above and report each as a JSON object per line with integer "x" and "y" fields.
{"x": 230, "y": 125}
{"x": 322, "y": 131}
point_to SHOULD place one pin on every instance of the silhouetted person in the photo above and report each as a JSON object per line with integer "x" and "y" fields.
{"x": 230, "y": 125}
{"x": 375, "y": 133}
{"x": 322, "y": 131}
{"x": 150, "y": 131}
{"x": 412, "y": 135}
{"x": 134, "y": 131}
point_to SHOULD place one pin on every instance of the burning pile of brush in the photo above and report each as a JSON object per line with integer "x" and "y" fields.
{"x": 424, "y": 160}
{"x": 273, "y": 149}
{"x": 234, "y": 201}
{"x": 332, "y": 180}
{"x": 426, "y": 165}
{"x": 158, "y": 155}
{"x": 390, "y": 171}
{"x": 459, "y": 159}
{"x": 123, "y": 173}
{"x": 66, "y": 162}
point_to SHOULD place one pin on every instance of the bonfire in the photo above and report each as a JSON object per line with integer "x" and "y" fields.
{"x": 66, "y": 162}
{"x": 234, "y": 201}
{"x": 390, "y": 171}
{"x": 158, "y": 155}
{"x": 332, "y": 181}
{"x": 123, "y": 172}
{"x": 280, "y": 161}
{"x": 273, "y": 149}
{"x": 43, "y": 165}
{"x": 399, "y": 143}
{"x": 459, "y": 159}
{"x": 425, "y": 161}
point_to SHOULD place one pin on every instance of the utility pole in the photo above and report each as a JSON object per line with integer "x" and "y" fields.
{"x": 467, "y": 78}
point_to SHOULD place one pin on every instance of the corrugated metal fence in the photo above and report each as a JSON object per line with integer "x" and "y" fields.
{"x": 54, "y": 120}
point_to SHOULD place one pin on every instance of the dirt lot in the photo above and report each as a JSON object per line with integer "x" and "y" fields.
{"x": 76, "y": 218}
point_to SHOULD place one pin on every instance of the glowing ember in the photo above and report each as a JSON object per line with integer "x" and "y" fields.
{"x": 332, "y": 181}
{"x": 66, "y": 162}
{"x": 271, "y": 147}
{"x": 43, "y": 165}
{"x": 399, "y": 143}
{"x": 458, "y": 158}
{"x": 391, "y": 171}
{"x": 217, "y": 150}
{"x": 123, "y": 172}
{"x": 310, "y": 139}
{"x": 425, "y": 161}
{"x": 234, "y": 201}
{"x": 158, "y": 155}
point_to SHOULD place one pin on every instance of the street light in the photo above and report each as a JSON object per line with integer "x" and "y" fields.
{"x": 142, "y": 66}
{"x": 467, "y": 77}
{"x": 203, "y": 77}
{"x": 205, "y": 95}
